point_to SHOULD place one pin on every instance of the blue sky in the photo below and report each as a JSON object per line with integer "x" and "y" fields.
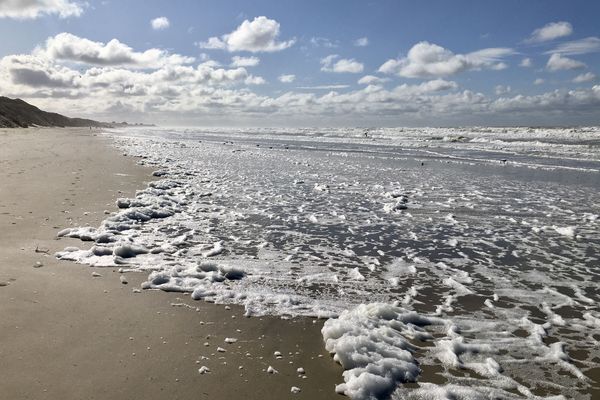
{"x": 306, "y": 62}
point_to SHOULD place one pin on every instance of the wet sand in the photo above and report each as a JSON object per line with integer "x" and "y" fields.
{"x": 65, "y": 334}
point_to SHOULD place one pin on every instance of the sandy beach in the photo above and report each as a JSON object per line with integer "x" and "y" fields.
{"x": 65, "y": 334}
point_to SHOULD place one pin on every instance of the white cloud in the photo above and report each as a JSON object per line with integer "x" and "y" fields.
{"x": 559, "y": 101}
{"x": 526, "y": 63}
{"x": 371, "y": 80}
{"x": 260, "y": 35}
{"x": 343, "y": 65}
{"x": 551, "y": 31}
{"x": 254, "y": 80}
{"x": 435, "y": 85}
{"x": 35, "y": 71}
{"x": 362, "y": 42}
{"x": 237, "y": 61}
{"x": 213, "y": 43}
{"x": 538, "y": 81}
{"x": 556, "y": 62}
{"x": 209, "y": 63}
{"x": 391, "y": 66}
{"x": 289, "y": 78}
{"x": 489, "y": 58}
{"x": 323, "y": 87}
{"x": 160, "y": 23}
{"x": 426, "y": 60}
{"x": 31, "y": 9}
{"x": 66, "y": 46}
{"x": 323, "y": 42}
{"x": 207, "y": 74}
{"x": 348, "y": 65}
{"x": 586, "y": 77}
{"x": 502, "y": 90}
{"x": 576, "y": 47}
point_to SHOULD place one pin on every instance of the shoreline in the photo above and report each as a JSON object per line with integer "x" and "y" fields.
{"x": 66, "y": 334}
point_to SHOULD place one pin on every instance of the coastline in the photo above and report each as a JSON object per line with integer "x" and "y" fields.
{"x": 66, "y": 334}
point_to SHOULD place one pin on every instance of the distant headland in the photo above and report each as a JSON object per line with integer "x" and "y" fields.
{"x": 17, "y": 113}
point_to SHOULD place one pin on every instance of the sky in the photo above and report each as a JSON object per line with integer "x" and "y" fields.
{"x": 306, "y": 63}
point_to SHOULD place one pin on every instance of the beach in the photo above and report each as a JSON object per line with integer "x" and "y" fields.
{"x": 269, "y": 263}
{"x": 295, "y": 200}
{"x": 67, "y": 334}
{"x": 446, "y": 262}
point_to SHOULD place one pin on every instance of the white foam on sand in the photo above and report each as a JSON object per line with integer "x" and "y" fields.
{"x": 370, "y": 342}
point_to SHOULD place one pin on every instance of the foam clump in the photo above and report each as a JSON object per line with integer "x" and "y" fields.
{"x": 568, "y": 231}
{"x": 158, "y": 201}
{"x": 355, "y": 274}
{"x": 203, "y": 370}
{"x": 216, "y": 249}
{"x": 400, "y": 202}
{"x": 272, "y": 370}
{"x": 128, "y": 251}
{"x": 101, "y": 251}
{"x": 369, "y": 342}
{"x": 451, "y": 350}
{"x": 204, "y": 281}
{"x": 431, "y": 391}
{"x": 85, "y": 234}
{"x": 321, "y": 187}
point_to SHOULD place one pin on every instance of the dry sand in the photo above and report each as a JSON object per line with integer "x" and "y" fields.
{"x": 67, "y": 335}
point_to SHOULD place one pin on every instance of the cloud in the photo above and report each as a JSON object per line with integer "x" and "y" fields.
{"x": 559, "y": 101}
{"x": 343, "y": 65}
{"x": 362, "y": 42}
{"x": 260, "y": 35}
{"x": 32, "y": 9}
{"x": 371, "y": 80}
{"x": 556, "y": 62}
{"x": 205, "y": 92}
{"x": 207, "y": 74}
{"x": 210, "y": 92}
{"x": 577, "y": 47}
{"x": 36, "y": 78}
{"x": 538, "y": 81}
{"x": 435, "y": 85}
{"x": 34, "y": 72}
{"x": 426, "y": 60}
{"x": 213, "y": 43}
{"x": 586, "y": 77}
{"x": 323, "y": 42}
{"x": 68, "y": 47}
{"x": 551, "y": 31}
{"x": 160, "y": 23}
{"x": 287, "y": 78}
{"x": 526, "y": 63}
{"x": 254, "y": 80}
{"x": 426, "y": 99}
{"x": 502, "y": 90}
{"x": 323, "y": 87}
{"x": 237, "y": 61}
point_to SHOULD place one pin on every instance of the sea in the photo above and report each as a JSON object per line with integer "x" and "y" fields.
{"x": 447, "y": 263}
